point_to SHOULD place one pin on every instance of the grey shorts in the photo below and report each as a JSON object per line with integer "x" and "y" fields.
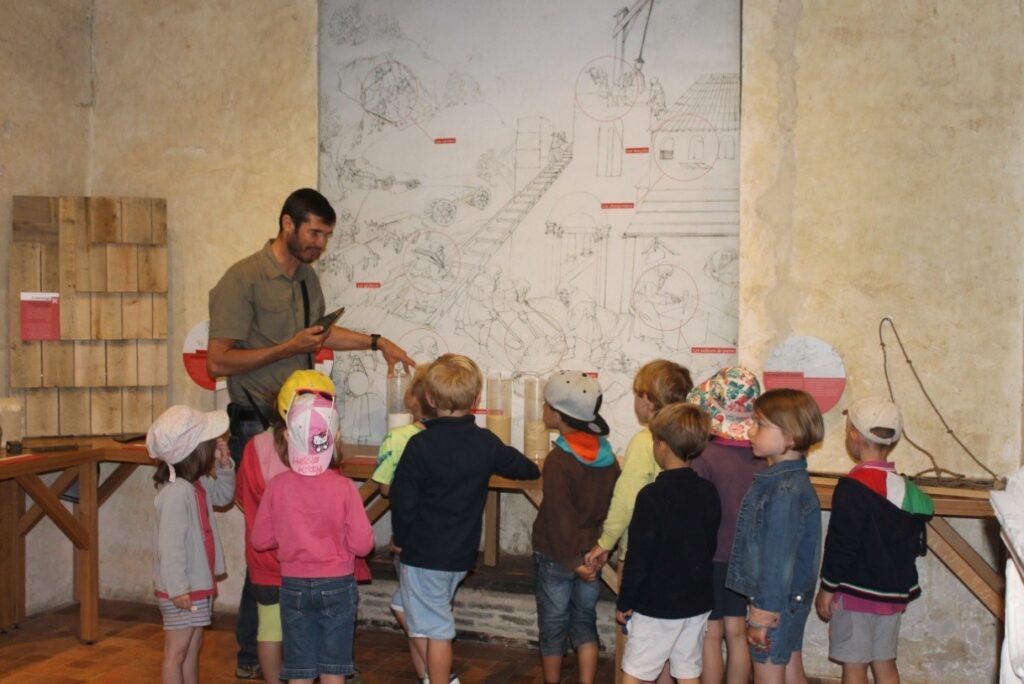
{"x": 862, "y": 637}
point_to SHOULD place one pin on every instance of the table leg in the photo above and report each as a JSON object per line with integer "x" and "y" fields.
{"x": 492, "y": 523}
{"x": 12, "y": 556}
{"x": 88, "y": 565}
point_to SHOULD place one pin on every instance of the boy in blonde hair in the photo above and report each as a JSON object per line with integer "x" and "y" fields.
{"x": 437, "y": 500}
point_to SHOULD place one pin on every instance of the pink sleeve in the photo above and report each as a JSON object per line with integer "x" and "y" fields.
{"x": 263, "y": 537}
{"x": 358, "y": 530}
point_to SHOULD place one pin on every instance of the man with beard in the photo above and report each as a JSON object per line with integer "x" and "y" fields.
{"x": 262, "y": 315}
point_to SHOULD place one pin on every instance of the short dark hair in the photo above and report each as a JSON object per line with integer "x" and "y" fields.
{"x": 683, "y": 427}
{"x": 796, "y": 413}
{"x": 303, "y": 202}
{"x": 191, "y": 468}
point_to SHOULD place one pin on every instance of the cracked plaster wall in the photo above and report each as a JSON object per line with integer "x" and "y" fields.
{"x": 881, "y": 169}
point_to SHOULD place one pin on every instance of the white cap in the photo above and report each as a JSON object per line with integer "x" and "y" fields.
{"x": 874, "y": 412}
{"x": 179, "y": 430}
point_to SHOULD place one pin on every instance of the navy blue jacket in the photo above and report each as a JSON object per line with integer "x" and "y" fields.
{"x": 440, "y": 489}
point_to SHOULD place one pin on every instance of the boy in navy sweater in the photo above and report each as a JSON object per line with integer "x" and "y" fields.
{"x": 667, "y": 590}
{"x": 437, "y": 499}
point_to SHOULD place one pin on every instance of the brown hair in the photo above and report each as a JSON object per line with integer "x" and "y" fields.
{"x": 683, "y": 427}
{"x": 796, "y": 413}
{"x": 662, "y": 382}
{"x": 190, "y": 468}
{"x": 454, "y": 382}
{"x": 280, "y": 429}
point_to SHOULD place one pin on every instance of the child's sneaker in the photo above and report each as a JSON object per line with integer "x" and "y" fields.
{"x": 452, "y": 679}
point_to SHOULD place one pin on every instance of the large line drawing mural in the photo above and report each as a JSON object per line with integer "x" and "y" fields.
{"x": 537, "y": 185}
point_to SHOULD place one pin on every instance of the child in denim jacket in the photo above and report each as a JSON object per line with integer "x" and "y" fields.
{"x": 775, "y": 555}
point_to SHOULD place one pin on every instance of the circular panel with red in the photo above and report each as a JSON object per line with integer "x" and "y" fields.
{"x": 809, "y": 364}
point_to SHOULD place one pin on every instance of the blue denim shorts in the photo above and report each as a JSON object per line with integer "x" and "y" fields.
{"x": 318, "y": 618}
{"x": 396, "y": 598}
{"x": 566, "y": 606}
{"x": 789, "y": 635}
{"x": 427, "y": 596}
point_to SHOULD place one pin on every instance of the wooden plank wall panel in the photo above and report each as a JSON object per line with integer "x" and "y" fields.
{"x": 49, "y": 265}
{"x": 137, "y": 316}
{"x": 74, "y": 411}
{"x": 26, "y": 360}
{"x": 159, "y": 207}
{"x": 74, "y": 307}
{"x": 90, "y": 364}
{"x": 58, "y": 364}
{"x": 153, "y": 362}
{"x": 137, "y": 408}
{"x": 34, "y": 219}
{"x": 105, "y": 410}
{"x": 41, "y": 413}
{"x": 152, "y": 269}
{"x": 122, "y": 363}
{"x": 104, "y": 219}
{"x": 161, "y": 401}
{"x": 106, "y": 316}
{"x": 136, "y": 220}
{"x": 97, "y": 256}
{"x": 122, "y": 268}
{"x": 159, "y": 316}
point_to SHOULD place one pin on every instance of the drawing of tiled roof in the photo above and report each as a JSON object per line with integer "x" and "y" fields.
{"x": 712, "y": 103}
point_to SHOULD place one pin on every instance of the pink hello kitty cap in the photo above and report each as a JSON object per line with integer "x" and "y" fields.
{"x": 312, "y": 426}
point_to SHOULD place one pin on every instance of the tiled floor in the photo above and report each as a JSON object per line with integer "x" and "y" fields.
{"x": 45, "y": 649}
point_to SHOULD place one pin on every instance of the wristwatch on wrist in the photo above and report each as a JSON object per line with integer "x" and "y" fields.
{"x": 374, "y": 339}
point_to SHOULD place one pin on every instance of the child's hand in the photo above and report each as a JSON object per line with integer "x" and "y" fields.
{"x": 586, "y": 573}
{"x": 596, "y": 558}
{"x": 184, "y": 602}
{"x": 757, "y": 636}
{"x": 823, "y": 604}
{"x": 621, "y": 616}
{"x": 397, "y": 550}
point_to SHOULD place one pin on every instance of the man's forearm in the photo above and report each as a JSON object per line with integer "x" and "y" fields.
{"x": 343, "y": 339}
{"x": 221, "y": 361}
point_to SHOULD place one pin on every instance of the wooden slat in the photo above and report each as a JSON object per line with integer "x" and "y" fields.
{"x": 161, "y": 400}
{"x": 54, "y": 509}
{"x": 32, "y": 516}
{"x": 12, "y": 556}
{"x": 122, "y": 268}
{"x": 152, "y": 363}
{"x": 159, "y": 221}
{"x": 41, "y": 413}
{"x": 34, "y": 219}
{"x": 137, "y": 408}
{"x": 74, "y": 411}
{"x": 49, "y": 280}
{"x": 159, "y": 316}
{"x": 74, "y": 307}
{"x": 115, "y": 480}
{"x": 90, "y": 364}
{"x": 122, "y": 363}
{"x": 967, "y": 564}
{"x": 104, "y": 220}
{"x": 105, "y": 410}
{"x": 492, "y": 521}
{"x": 88, "y": 561}
{"x": 105, "y": 310}
{"x": 97, "y": 256}
{"x": 152, "y": 269}
{"x": 136, "y": 220}
{"x": 137, "y": 316}
{"x": 58, "y": 364}
{"x": 26, "y": 360}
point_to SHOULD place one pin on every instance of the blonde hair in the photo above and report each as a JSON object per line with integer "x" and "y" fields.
{"x": 796, "y": 413}
{"x": 453, "y": 382}
{"x": 418, "y": 389}
{"x": 683, "y": 427}
{"x": 662, "y": 382}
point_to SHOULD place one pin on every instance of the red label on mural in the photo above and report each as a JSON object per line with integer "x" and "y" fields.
{"x": 617, "y": 205}
{"x": 712, "y": 350}
{"x": 592, "y": 374}
{"x": 367, "y": 286}
{"x": 444, "y": 141}
{"x": 638, "y": 150}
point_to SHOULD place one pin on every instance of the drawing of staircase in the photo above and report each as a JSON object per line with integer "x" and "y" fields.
{"x": 478, "y": 249}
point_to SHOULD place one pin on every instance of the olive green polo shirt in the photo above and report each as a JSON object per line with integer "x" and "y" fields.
{"x": 258, "y": 305}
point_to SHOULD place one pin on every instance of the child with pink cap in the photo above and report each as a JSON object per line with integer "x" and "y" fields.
{"x": 187, "y": 555}
{"x": 315, "y": 519}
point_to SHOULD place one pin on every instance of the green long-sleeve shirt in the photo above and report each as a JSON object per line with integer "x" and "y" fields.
{"x": 639, "y": 470}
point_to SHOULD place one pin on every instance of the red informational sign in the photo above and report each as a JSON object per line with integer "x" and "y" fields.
{"x": 444, "y": 141}
{"x": 367, "y": 286}
{"x": 591, "y": 374}
{"x": 826, "y": 391}
{"x": 638, "y": 150}
{"x": 712, "y": 350}
{"x": 617, "y": 205}
{"x": 40, "y": 316}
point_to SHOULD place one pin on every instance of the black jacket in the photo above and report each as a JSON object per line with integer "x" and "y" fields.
{"x": 672, "y": 540}
{"x": 872, "y": 545}
{"x": 440, "y": 489}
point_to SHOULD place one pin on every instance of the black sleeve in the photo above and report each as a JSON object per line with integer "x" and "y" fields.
{"x": 715, "y": 516}
{"x": 643, "y": 548}
{"x": 405, "y": 490}
{"x": 509, "y": 462}
{"x": 845, "y": 531}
